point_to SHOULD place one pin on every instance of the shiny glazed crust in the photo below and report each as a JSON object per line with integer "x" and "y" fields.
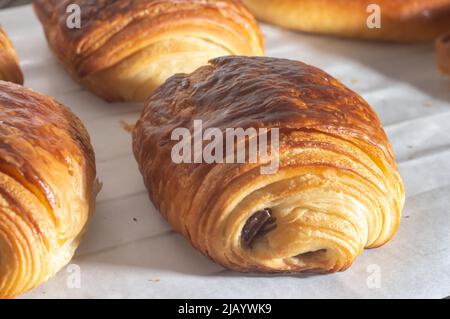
{"x": 337, "y": 190}
{"x": 127, "y": 48}
{"x": 9, "y": 63}
{"x": 401, "y": 20}
{"x": 47, "y": 173}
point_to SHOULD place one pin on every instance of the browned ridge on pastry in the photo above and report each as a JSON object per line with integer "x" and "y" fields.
{"x": 127, "y": 48}
{"x": 47, "y": 173}
{"x": 9, "y": 64}
{"x": 401, "y": 20}
{"x": 337, "y": 190}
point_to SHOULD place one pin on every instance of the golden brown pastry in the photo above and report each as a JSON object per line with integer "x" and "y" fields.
{"x": 9, "y": 63}
{"x": 47, "y": 173}
{"x": 127, "y": 48}
{"x": 401, "y": 20}
{"x": 337, "y": 189}
{"x": 443, "y": 53}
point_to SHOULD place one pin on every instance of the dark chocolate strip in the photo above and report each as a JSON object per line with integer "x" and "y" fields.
{"x": 259, "y": 224}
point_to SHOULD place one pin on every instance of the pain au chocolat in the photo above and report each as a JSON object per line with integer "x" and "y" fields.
{"x": 336, "y": 191}
{"x": 124, "y": 49}
{"x": 400, "y": 20}
{"x": 9, "y": 63}
{"x": 47, "y": 188}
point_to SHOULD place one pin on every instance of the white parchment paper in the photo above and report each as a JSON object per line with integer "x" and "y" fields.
{"x": 130, "y": 252}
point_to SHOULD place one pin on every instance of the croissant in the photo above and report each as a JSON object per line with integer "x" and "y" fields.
{"x": 47, "y": 189}
{"x": 401, "y": 20}
{"x": 9, "y": 63}
{"x": 336, "y": 190}
{"x": 125, "y": 49}
{"x": 443, "y": 53}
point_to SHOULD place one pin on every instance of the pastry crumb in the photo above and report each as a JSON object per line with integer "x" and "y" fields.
{"x": 127, "y": 126}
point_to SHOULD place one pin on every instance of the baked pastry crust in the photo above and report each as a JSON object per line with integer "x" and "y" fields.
{"x": 443, "y": 53}
{"x": 337, "y": 190}
{"x": 9, "y": 64}
{"x": 125, "y": 49}
{"x": 401, "y": 20}
{"x": 47, "y": 188}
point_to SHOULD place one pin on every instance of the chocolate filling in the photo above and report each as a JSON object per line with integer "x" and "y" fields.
{"x": 259, "y": 224}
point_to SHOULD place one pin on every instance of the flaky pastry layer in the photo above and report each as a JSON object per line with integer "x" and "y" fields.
{"x": 337, "y": 190}
{"x": 127, "y": 48}
{"x": 9, "y": 63}
{"x": 47, "y": 174}
{"x": 401, "y": 20}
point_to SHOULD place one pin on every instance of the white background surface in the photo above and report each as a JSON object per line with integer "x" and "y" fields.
{"x": 129, "y": 251}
